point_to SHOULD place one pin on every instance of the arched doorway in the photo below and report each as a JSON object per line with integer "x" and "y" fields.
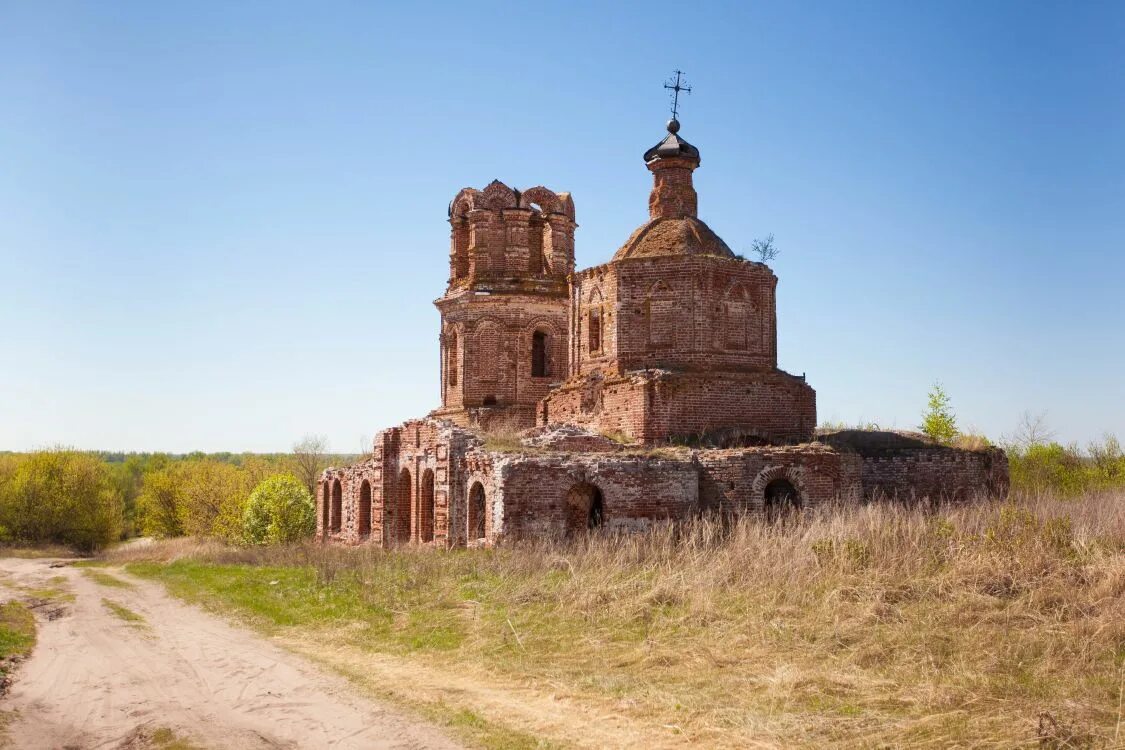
{"x": 337, "y": 506}
{"x": 781, "y": 499}
{"x": 364, "y": 517}
{"x": 477, "y": 509}
{"x": 402, "y": 507}
{"x": 325, "y": 507}
{"x": 585, "y": 508}
{"x": 426, "y": 507}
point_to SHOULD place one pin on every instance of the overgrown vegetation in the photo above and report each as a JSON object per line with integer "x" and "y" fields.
{"x": 17, "y": 634}
{"x": 938, "y": 421}
{"x": 279, "y": 510}
{"x": 861, "y": 626}
{"x": 59, "y": 497}
{"x": 86, "y": 500}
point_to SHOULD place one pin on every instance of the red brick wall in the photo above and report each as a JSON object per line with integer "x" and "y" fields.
{"x": 636, "y": 490}
{"x": 909, "y": 465}
{"x": 510, "y": 256}
{"x": 418, "y": 447}
{"x": 735, "y": 480}
{"x": 657, "y": 406}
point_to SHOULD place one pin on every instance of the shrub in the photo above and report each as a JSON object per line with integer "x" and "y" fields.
{"x": 280, "y": 510}
{"x": 62, "y": 497}
{"x": 939, "y": 421}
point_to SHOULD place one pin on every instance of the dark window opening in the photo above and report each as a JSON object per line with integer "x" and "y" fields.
{"x": 781, "y": 499}
{"x": 401, "y": 520}
{"x": 337, "y": 505}
{"x": 364, "y": 521}
{"x": 539, "y": 355}
{"x": 595, "y": 330}
{"x": 489, "y": 401}
{"x": 584, "y": 509}
{"x": 476, "y": 512}
{"x": 426, "y": 507}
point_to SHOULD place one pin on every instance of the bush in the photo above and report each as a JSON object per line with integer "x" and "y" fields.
{"x": 280, "y": 510}
{"x": 61, "y": 497}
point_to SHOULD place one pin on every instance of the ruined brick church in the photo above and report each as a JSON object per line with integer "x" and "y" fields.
{"x": 636, "y": 391}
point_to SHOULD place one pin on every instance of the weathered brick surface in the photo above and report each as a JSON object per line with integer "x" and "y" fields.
{"x": 673, "y": 341}
{"x": 735, "y": 480}
{"x": 504, "y": 326}
{"x": 532, "y": 491}
{"x": 911, "y": 467}
{"x": 720, "y": 408}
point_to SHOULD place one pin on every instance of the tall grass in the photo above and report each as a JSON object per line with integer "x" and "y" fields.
{"x": 988, "y": 624}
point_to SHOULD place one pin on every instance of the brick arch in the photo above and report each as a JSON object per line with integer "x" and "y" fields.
{"x": 499, "y": 196}
{"x": 547, "y": 200}
{"x": 465, "y": 201}
{"x": 795, "y": 475}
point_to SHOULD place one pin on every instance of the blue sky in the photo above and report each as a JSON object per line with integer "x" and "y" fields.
{"x": 222, "y": 225}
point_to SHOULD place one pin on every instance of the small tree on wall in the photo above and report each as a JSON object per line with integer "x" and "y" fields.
{"x": 764, "y": 249}
{"x": 938, "y": 421}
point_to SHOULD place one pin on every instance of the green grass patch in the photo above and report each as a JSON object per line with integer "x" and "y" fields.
{"x": 105, "y": 579}
{"x": 17, "y": 631}
{"x": 163, "y": 738}
{"x": 123, "y": 612}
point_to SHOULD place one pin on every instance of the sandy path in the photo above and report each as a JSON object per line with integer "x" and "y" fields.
{"x": 94, "y": 679}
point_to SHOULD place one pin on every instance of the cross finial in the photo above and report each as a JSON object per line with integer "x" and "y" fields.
{"x": 676, "y": 85}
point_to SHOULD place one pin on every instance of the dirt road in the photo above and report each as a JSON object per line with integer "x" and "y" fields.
{"x": 100, "y": 679}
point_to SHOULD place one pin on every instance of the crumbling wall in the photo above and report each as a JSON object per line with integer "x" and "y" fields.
{"x": 734, "y": 480}
{"x": 636, "y": 491}
{"x": 655, "y": 406}
{"x": 910, "y": 466}
{"x": 414, "y": 473}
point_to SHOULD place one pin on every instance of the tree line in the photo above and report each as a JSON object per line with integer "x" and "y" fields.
{"x": 87, "y": 500}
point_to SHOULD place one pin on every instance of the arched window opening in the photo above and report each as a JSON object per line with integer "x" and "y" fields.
{"x": 364, "y": 520}
{"x": 488, "y": 401}
{"x": 337, "y": 505}
{"x": 426, "y": 507}
{"x": 325, "y": 507}
{"x": 405, "y": 495}
{"x": 476, "y": 512}
{"x": 539, "y": 355}
{"x": 595, "y": 330}
{"x": 781, "y": 499}
{"x": 451, "y": 359}
{"x": 585, "y": 508}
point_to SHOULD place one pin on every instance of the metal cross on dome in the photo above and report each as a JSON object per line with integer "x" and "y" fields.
{"x": 676, "y": 85}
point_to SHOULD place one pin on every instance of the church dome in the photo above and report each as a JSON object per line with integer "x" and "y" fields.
{"x": 680, "y": 235}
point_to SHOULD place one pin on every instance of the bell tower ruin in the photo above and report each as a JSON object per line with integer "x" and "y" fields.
{"x": 504, "y": 336}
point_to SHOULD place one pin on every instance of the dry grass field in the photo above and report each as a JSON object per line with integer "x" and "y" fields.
{"x": 981, "y": 625}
